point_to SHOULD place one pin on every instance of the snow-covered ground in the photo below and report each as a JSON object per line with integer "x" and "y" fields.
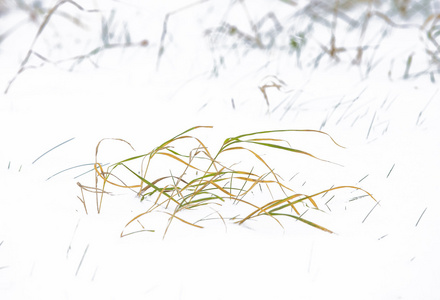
{"x": 215, "y": 57}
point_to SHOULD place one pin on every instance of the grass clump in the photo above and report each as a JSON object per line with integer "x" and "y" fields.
{"x": 200, "y": 184}
{"x": 61, "y": 20}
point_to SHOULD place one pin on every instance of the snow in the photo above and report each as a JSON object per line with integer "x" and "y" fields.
{"x": 51, "y": 249}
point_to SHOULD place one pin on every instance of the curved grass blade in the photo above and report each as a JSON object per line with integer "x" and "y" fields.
{"x": 304, "y": 221}
{"x": 288, "y": 130}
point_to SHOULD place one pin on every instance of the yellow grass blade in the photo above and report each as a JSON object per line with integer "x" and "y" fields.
{"x": 217, "y": 184}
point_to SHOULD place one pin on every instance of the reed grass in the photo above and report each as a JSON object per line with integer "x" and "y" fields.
{"x": 106, "y": 42}
{"x": 350, "y": 37}
{"x": 201, "y": 181}
{"x": 343, "y": 20}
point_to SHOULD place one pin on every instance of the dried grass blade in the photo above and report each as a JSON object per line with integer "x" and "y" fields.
{"x": 161, "y": 191}
{"x": 179, "y": 160}
{"x": 304, "y": 221}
